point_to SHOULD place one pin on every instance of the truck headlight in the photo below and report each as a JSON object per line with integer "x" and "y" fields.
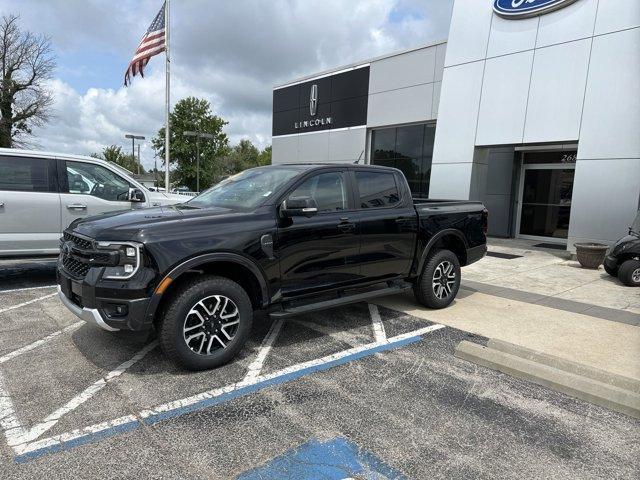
{"x": 128, "y": 260}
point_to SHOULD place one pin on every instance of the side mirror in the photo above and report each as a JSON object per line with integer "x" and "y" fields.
{"x": 299, "y": 207}
{"x": 135, "y": 195}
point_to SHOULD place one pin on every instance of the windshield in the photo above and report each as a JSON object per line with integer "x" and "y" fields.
{"x": 635, "y": 228}
{"x": 246, "y": 190}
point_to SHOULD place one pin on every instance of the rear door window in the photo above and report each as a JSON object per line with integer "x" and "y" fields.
{"x": 26, "y": 174}
{"x": 376, "y": 189}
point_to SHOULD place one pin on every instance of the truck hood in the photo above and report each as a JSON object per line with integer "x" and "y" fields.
{"x": 135, "y": 225}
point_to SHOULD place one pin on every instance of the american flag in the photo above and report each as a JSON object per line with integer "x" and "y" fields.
{"x": 152, "y": 43}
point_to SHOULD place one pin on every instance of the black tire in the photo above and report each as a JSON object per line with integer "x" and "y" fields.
{"x": 611, "y": 271}
{"x": 629, "y": 273}
{"x": 424, "y": 290}
{"x": 180, "y": 316}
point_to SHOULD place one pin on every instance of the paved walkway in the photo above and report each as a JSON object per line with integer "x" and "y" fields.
{"x": 543, "y": 301}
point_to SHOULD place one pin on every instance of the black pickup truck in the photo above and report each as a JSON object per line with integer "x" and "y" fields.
{"x": 287, "y": 239}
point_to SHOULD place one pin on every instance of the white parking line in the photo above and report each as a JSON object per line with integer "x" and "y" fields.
{"x": 211, "y": 397}
{"x": 27, "y": 288}
{"x": 18, "y": 435}
{"x": 13, "y": 307}
{"x": 379, "y": 332}
{"x": 37, "y": 343}
{"x": 256, "y": 366}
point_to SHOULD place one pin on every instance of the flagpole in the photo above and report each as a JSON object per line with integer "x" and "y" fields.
{"x": 167, "y": 96}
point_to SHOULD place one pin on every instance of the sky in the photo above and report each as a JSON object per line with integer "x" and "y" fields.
{"x": 231, "y": 52}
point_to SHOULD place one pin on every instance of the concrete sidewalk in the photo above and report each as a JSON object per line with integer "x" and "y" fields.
{"x": 543, "y": 301}
{"x": 604, "y": 344}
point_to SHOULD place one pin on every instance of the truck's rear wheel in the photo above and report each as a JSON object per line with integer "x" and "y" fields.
{"x": 206, "y": 323}
{"x": 439, "y": 282}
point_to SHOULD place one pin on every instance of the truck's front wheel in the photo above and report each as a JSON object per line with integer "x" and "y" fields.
{"x": 207, "y": 322}
{"x": 440, "y": 280}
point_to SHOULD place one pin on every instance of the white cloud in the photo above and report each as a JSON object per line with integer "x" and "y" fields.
{"x": 231, "y": 53}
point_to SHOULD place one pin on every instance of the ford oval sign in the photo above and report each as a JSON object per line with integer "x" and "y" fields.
{"x": 527, "y": 8}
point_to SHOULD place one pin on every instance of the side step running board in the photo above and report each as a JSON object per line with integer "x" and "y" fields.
{"x": 336, "y": 302}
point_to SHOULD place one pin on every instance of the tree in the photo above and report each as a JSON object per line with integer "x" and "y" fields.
{"x": 193, "y": 114}
{"x": 27, "y": 63}
{"x": 265, "y": 157}
{"x": 245, "y": 155}
{"x": 114, "y": 153}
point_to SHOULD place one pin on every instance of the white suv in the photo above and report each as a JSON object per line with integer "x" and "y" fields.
{"x": 42, "y": 193}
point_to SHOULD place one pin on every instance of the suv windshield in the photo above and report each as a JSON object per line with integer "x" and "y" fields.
{"x": 635, "y": 228}
{"x": 246, "y": 190}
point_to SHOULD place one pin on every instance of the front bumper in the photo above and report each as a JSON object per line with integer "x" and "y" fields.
{"x": 610, "y": 262}
{"x": 89, "y": 315}
{"x": 108, "y": 304}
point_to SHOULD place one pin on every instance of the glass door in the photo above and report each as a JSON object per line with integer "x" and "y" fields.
{"x": 545, "y": 200}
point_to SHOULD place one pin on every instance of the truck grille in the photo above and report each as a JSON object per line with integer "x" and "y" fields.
{"x": 77, "y": 241}
{"x": 75, "y": 267}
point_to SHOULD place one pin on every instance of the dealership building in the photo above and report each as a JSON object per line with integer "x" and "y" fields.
{"x": 533, "y": 109}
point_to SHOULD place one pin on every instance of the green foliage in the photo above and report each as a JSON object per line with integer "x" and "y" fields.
{"x": 193, "y": 114}
{"x": 264, "y": 158}
{"x": 114, "y": 153}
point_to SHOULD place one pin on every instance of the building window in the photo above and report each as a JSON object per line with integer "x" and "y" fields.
{"x": 409, "y": 149}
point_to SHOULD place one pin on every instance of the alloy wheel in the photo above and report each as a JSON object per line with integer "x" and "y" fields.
{"x": 211, "y": 324}
{"x": 444, "y": 279}
{"x": 635, "y": 276}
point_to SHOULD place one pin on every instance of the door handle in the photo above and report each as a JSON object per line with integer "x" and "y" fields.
{"x": 1, "y": 204}
{"x": 76, "y": 206}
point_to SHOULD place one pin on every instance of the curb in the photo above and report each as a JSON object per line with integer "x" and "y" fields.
{"x": 610, "y": 378}
{"x": 555, "y": 377}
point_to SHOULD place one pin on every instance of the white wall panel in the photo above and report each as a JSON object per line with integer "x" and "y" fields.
{"x": 504, "y": 99}
{"x": 557, "y": 91}
{"x": 313, "y": 147}
{"x": 614, "y": 15}
{"x": 450, "y": 181}
{"x": 510, "y": 36}
{"x": 411, "y": 104}
{"x": 605, "y": 198}
{"x": 437, "y": 87}
{"x": 441, "y": 51}
{"x": 412, "y": 68}
{"x": 567, "y": 24}
{"x": 284, "y": 149}
{"x": 458, "y": 113}
{"x": 347, "y": 145}
{"x": 469, "y": 31}
{"x": 611, "y": 118}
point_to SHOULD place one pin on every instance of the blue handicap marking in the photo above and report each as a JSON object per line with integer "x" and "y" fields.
{"x": 337, "y": 459}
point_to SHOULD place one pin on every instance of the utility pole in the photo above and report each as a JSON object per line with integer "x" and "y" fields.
{"x": 133, "y": 147}
{"x": 198, "y": 135}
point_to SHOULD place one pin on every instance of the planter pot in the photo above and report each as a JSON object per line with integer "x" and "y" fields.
{"x": 590, "y": 255}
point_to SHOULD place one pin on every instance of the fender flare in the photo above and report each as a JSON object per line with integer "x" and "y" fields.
{"x": 434, "y": 240}
{"x": 194, "y": 262}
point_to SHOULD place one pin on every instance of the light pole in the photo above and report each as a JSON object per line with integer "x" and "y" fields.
{"x": 133, "y": 147}
{"x": 198, "y": 135}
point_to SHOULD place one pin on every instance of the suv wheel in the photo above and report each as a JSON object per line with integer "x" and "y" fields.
{"x": 206, "y": 323}
{"x": 439, "y": 282}
{"x": 629, "y": 273}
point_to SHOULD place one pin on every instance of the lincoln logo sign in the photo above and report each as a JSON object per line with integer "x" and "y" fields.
{"x": 313, "y": 108}
{"x": 527, "y": 8}
{"x": 313, "y": 100}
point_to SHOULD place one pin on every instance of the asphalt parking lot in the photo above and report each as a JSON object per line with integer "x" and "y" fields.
{"x": 360, "y": 392}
